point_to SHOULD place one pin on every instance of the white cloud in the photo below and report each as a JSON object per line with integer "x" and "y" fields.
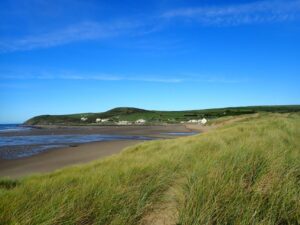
{"x": 238, "y": 14}
{"x": 226, "y": 15}
{"x": 77, "y": 32}
{"x": 101, "y": 77}
{"x": 116, "y": 78}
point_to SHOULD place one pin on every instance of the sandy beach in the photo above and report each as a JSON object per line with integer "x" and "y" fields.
{"x": 58, "y": 158}
{"x": 61, "y": 157}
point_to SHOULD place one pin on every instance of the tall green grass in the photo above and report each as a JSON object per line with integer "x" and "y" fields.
{"x": 247, "y": 172}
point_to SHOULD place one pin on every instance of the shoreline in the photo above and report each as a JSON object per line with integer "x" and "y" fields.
{"x": 110, "y": 130}
{"x": 58, "y": 158}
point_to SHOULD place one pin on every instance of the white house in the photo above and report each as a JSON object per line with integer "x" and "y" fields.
{"x": 124, "y": 122}
{"x": 203, "y": 121}
{"x": 99, "y": 120}
{"x": 193, "y": 121}
{"x": 83, "y": 118}
{"x": 140, "y": 121}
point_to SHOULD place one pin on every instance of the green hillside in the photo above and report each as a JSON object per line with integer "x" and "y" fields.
{"x": 132, "y": 114}
{"x": 246, "y": 172}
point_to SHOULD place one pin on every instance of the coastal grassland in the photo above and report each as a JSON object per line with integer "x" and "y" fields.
{"x": 154, "y": 117}
{"x": 245, "y": 172}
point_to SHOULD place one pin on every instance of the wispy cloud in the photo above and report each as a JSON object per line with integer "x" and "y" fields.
{"x": 116, "y": 78}
{"x": 101, "y": 77}
{"x": 153, "y": 79}
{"x": 238, "y": 14}
{"x": 227, "y": 15}
{"x": 73, "y": 33}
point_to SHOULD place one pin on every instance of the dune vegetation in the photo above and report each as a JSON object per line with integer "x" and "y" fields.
{"x": 244, "y": 172}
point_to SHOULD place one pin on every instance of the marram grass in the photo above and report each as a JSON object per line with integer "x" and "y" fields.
{"x": 247, "y": 172}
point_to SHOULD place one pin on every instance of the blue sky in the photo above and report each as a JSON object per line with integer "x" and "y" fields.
{"x": 71, "y": 56}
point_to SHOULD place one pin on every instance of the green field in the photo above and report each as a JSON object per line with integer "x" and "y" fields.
{"x": 245, "y": 172}
{"x": 152, "y": 116}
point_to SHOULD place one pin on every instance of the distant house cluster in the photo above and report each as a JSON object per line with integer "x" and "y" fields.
{"x": 201, "y": 121}
{"x": 99, "y": 120}
{"x": 140, "y": 121}
{"x": 137, "y": 122}
{"x": 121, "y": 122}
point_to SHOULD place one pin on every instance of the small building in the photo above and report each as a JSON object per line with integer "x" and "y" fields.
{"x": 200, "y": 121}
{"x": 99, "y": 120}
{"x": 124, "y": 122}
{"x": 83, "y": 118}
{"x": 193, "y": 121}
{"x": 203, "y": 121}
{"x": 140, "y": 121}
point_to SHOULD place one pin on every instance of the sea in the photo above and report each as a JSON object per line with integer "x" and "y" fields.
{"x": 12, "y": 127}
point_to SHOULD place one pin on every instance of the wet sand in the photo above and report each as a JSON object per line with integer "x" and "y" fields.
{"x": 58, "y": 158}
{"x": 152, "y": 131}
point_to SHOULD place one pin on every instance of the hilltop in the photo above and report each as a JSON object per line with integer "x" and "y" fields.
{"x": 153, "y": 116}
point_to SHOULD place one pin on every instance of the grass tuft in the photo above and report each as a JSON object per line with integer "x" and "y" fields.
{"x": 6, "y": 183}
